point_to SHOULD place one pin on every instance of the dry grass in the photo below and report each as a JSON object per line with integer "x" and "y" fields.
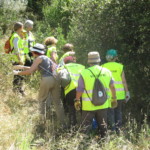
{"x": 18, "y": 116}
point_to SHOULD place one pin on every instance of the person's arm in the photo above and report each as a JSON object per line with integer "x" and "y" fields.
{"x": 125, "y": 87}
{"x": 32, "y": 69}
{"x": 124, "y": 82}
{"x": 80, "y": 88}
{"x": 113, "y": 90}
{"x": 17, "y": 67}
{"x": 16, "y": 49}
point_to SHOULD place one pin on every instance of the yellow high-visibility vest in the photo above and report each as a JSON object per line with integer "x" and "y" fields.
{"x": 29, "y": 42}
{"x": 61, "y": 60}
{"x": 20, "y": 46}
{"x": 105, "y": 77}
{"x": 74, "y": 70}
{"x": 116, "y": 70}
{"x": 50, "y": 50}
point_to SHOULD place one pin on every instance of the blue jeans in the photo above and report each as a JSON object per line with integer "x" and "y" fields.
{"x": 115, "y": 117}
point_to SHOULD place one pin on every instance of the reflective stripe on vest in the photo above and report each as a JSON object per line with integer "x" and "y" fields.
{"x": 20, "y": 47}
{"x": 117, "y": 69}
{"x": 89, "y": 80}
{"x": 28, "y": 42}
{"x": 74, "y": 69}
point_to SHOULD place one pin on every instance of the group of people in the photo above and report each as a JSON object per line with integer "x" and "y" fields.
{"x": 78, "y": 90}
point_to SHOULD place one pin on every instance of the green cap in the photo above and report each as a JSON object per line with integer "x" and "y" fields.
{"x": 112, "y": 52}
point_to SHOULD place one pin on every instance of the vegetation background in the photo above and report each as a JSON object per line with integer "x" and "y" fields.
{"x": 91, "y": 25}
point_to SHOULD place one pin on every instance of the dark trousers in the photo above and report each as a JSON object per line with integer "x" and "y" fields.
{"x": 17, "y": 84}
{"x": 69, "y": 102}
{"x": 115, "y": 117}
{"x": 101, "y": 118}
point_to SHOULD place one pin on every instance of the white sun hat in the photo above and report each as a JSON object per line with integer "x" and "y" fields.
{"x": 38, "y": 48}
{"x": 93, "y": 57}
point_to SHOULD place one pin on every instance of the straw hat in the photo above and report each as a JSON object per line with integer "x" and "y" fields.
{"x": 93, "y": 57}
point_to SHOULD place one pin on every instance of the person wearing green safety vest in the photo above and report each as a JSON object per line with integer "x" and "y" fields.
{"x": 74, "y": 70}
{"x": 122, "y": 93}
{"x": 29, "y": 42}
{"x": 51, "y": 52}
{"x": 85, "y": 90}
{"x": 18, "y": 57}
{"x": 68, "y": 51}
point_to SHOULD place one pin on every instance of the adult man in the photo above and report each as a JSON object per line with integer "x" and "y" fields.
{"x": 122, "y": 93}
{"x": 30, "y": 41}
{"x": 85, "y": 89}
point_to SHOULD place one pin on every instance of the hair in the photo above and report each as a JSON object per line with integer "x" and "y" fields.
{"x": 50, "y": 41}
{"x": 96, "y": 63}
{"x": 17, "y": 26}
{"x": 68, "y": 47}
{"x": 36, "y": 53}
{"x": 28, "y": 23}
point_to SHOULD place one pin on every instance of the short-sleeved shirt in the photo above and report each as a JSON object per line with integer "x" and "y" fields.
{"x": 45, "y": 67}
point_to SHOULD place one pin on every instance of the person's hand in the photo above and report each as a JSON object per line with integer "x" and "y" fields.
{"x": 15, "y": 72}
{"x": 21, "y": 63}
{"x": 77, "y": 104}
{"x": 17, "y": 67}
{"x": 127, "y": 96}
{"x": 114, "y": 103}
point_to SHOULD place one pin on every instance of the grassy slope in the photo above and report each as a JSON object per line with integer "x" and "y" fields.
{"x": 18, "y": 116}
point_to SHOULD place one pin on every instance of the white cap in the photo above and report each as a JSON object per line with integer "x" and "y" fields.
{"x": 38, "y": 48}
{"x": 28, "y": 23}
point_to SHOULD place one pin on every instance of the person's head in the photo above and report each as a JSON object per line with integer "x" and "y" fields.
{"x": 68, "y": 47}
{"x": 70, "y": 59}
{"x": 111, "y": 55}
{"x": 28, "y": 25}
{"x": 18, "y": 27}
{"x": 93, "y": 58}
{"x": 50, "y": 41}
{"x": 37, "y": 50}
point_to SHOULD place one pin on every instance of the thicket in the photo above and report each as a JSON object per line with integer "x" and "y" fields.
{"x": 122, "y": 25}
{"x": 92, "y": 25}
{"x": 99, "y": 25}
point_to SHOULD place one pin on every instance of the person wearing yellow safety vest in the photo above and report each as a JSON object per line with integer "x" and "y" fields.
{"x": 85, "y": 90}
{"x": 122, "y": 93}
{"x": 29, "y": 42}
{"x": 18, "y": 57}
{"x": 51, "y": 52}
{"x": 74, "y": 70}
{"x": 68, "y": 51}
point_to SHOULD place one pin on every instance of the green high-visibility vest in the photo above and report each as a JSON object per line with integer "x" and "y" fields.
{"x": 74, "y": 70}
{"x": 29, "y": 42}
{"x": 116, "y": 70}
{"x": 50, "y": 50}
{"x": 20, "y": 47}
{"x": 61, "y": 60}
{"x": 105, "y": 77}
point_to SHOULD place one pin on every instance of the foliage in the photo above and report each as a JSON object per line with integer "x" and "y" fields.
{"x": 122, "y": 25}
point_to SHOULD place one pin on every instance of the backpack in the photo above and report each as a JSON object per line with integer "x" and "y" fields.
{"x": 64, "y": 77}
{"x": 99, "y": 95}
{"x": 7, "y": 46}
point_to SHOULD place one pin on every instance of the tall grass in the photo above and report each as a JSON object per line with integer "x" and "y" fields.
{"x": 18, "y": 117}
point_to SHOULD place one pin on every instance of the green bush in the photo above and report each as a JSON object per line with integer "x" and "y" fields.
{"x": 122, "y": 25}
